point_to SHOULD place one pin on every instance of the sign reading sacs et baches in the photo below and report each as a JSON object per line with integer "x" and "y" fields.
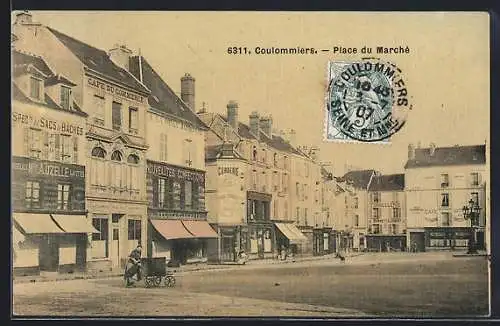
{"x": 93, "y": 82}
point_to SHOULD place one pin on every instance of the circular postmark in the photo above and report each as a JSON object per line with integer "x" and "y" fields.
{"x": 367, "y": 100}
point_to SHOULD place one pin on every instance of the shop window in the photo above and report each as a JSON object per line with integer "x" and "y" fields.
{"x": 133, "y": 118}
{"x": 65, "y": 97}
{"x": 63, "y": 197}
{"x": 101, "y": 225}
{"x": 116, "y": 115}
{"x": 134, "y": 230}
{"x": 474, "y": 179}
{"x": 32, "y": 197}
{"x": 445, "y": 200}
{"x": 160, "y": 190}
{"x": 35, "y": 88}
{"x": 445, "y": 182}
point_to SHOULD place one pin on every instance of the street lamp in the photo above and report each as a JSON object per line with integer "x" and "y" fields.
{"x": 471, "y": 212}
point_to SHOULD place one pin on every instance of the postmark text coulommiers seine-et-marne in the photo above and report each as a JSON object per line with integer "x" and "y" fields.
{"x": 367, "y": 101}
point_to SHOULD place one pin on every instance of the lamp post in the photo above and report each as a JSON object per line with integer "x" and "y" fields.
{"x": 471, "y": 212}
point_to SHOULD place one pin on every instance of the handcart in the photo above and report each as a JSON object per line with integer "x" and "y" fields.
{"x": 155, "y": 272}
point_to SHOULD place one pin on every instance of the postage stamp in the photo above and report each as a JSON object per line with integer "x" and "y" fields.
{"x": 366, "y": 101}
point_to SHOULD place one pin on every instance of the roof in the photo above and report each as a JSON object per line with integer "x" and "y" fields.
{"x": 274, "y": 141}
{"x": 162, "y": 97}
{"x": 58, "y": 79}
{"x": 359, "y": 179}
{"x": 23, "y": 59}
{"x": 18, "y": 95}
{"x": 98, "y": 60}
{"x": 444, "y": 156}
{"x": 390, "y": 182}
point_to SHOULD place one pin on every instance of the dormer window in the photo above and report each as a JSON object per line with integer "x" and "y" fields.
{"x": 65, "y": 97}
{"x": 35, "y": 88}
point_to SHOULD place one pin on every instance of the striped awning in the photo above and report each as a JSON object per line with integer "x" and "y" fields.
{"x": 36, "y": 223}
{"x": 171, "y": 229}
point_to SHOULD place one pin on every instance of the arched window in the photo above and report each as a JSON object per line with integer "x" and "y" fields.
{"x": 132, "y": 158}
{"x": 116, "y": 156}
{"x": 98, "y": 152}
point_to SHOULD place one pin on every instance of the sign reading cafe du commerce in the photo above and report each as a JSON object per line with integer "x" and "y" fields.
{"x": 114, "y": 90}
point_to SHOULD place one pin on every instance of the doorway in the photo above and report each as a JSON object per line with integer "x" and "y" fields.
{"x": 115, "y": 241}
{"x": 48, "y": 253}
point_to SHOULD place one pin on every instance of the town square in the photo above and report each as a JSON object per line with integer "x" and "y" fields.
{"x": 167, "y": 175}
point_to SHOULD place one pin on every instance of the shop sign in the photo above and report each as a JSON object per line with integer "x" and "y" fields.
{"x": 47, "y": 168}
{"x": 165, "y": 170}
{"x": 227, "y": 170}
{"x": 114, "y": 90}
{"x": 47, "y": 124}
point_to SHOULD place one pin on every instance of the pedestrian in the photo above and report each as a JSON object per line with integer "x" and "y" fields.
{"x": 135, "y": 259}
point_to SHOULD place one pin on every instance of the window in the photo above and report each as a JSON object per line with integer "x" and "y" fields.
{"x": 376, "y": 213}
{"x": 161, "y": 187}
{"x": 474, "y": 179}
{"x": 445, "y": 200}
{"x": 188, "y": 152}
{"x": 133, "y": 118}
{"x": 116, "y": 156}
{"x": 117, "y": 116}
{"x": 305, "y": 215}
{"x": 376, "y": 228}
{"x": 254, "y": 179}
{"x": 32, "y": 197}
{"x": 275, "y": 209}
{"x": 63, "y": 196}
{"x": 188, "y": 195}
{"x": 275, "y": 159}
{"x": 264, "y": 156}
{"x": 285, "y": 163}
{"x": 34, "y": 142}
{"x": 35, "y": 88}
{"x": 376, "y": 197}
{"x": 356, "y": 202}
{"x": 98, "y": 152}
{"x": 133, "y": 159}
{"x": 65, "y": 97}
{"x": 475, "y": 197}
{"x": 254, "y": 153}
{"x": 396, "y": 213}
{"x": 101, "y": 225}
{"x": 99, "y": 107}
{"x": 445, "y": 219}
{"x": 297, "y": 214}
{"x": 356, "y": 220}
{"x": 163, "y": 147}
{"x": 134, "y": 230}
{"x": 66, "y": 148}
{"x": 297, "y": 189}
{"x": 444, "y": 181}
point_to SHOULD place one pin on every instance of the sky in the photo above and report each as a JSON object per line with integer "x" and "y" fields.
{"x": 446, "y": 71}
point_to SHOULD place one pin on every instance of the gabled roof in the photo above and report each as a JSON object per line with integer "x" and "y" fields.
{"x": 58, "y": 79}
{"x": 274, "y": 141}
{"x": 162, "y": 97}
{"x": 18, "y": 95}
{"x": 24, "y": 60}
{"x": 98, "y": 60}
{"x": 444, "y": 156}
{"x": 359, "y": 179}
{"x": 390, "y": 182}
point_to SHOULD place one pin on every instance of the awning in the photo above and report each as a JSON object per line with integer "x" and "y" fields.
{"x": 171, "y": 229}
{"x": 74, "y": 223}
{"x": 17, "y": 236}
{"x": 291, "y": 232}
{"x": 36, "y": 223}
{"x": 200, "y": 229}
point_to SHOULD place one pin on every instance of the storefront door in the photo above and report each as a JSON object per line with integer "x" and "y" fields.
{"x": 260, "y": 243}
{"x": 115, "y": 241}
{"x": 49, "y": 253}
{"x": 227, "y": 248}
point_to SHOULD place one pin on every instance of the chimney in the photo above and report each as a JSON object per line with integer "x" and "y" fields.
{"x": 24, "y": 17}
{"x": 120, "y": 55}
{"x": 266, "y": 125}
{"x": 314, "y": 153}
{"x": 232, "y": 114}
{"x": 411, "y": 152}
{"x": 187, "y": 90}
{"x": 432, "y": 149}
{"x": 254, "y": 124}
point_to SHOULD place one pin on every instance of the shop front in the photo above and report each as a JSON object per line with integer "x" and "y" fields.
{"x": 385, "y": 243}
{"x": 288, "y": 238}
{"x": 447, "y": 238}
{"x": 321, "y": 241}
{"x": 259, "y": 231}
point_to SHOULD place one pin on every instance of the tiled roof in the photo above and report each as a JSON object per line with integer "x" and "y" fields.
{"x": 390, "y": 182}
{"x": 456, "y": 155}
{"x": 99, "y": 61}
{"x": 276, "y": 142}
{"x": 359, "y": 179}
{"x": 162, "y": 97}
{"x": 18, "y": 95}
{"x": 22, "y": 59}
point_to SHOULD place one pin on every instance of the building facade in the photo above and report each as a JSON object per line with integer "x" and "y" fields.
{"x": 115, "y": 149}
{"x": 439, "y": 181}
{"x": 50, "y": 226}
{"x": 177, "y": 227}
{"x": 249, "y": 187}
{"x": 387, "y": 221}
